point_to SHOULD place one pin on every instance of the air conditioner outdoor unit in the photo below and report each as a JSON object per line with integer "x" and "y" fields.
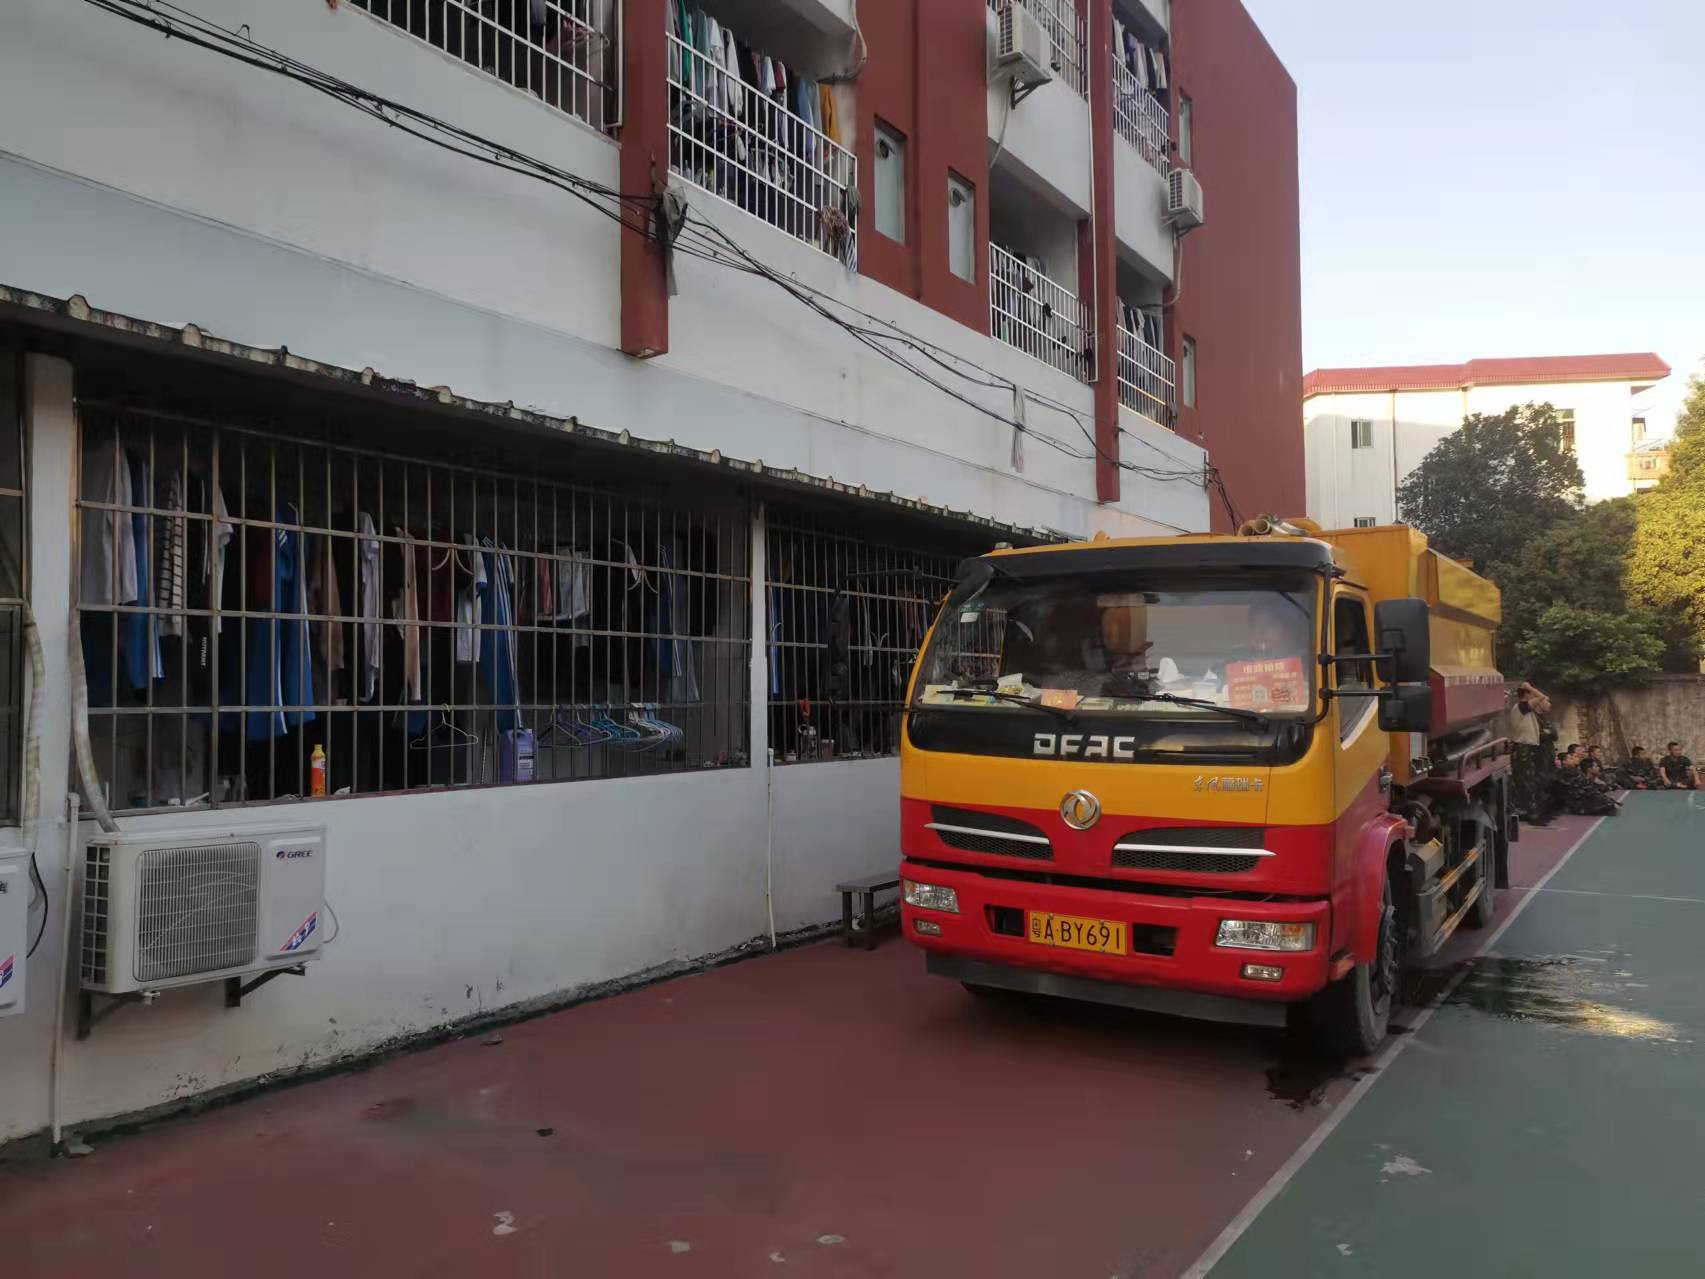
{"x": 1023, "y": 50}
{"x": 1184, "y": 200}
{"x": 176, "y": 908}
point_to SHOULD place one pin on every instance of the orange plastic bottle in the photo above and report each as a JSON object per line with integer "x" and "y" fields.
{"x": 317, "y": 771}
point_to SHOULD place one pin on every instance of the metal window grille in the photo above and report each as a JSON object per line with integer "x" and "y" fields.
{"x": 846, "y": 618}
{"x": 726, "y": 136}
{"x": 1148, "y": 381}
{"x": 14, "y": 579}
{"x": 566, "y": 53}
{"x": 609, "y": 637}
{"x": 1065, "y": 27}
{"x": 1038, "y": 316}
{"x": 1140, "y": 118}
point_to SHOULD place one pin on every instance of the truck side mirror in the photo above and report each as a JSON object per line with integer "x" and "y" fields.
{"x": 1406, "y": 708}
{"x": 1403, "y": 640}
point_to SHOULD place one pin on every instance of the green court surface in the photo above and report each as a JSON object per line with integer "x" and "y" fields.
{"x": 1549, "y": 1118}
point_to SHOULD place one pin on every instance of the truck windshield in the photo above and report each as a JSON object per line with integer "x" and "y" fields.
{"x": 1108, "y": 643}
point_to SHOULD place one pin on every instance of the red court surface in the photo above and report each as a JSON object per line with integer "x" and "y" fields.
{"x": 821, "y": 1112}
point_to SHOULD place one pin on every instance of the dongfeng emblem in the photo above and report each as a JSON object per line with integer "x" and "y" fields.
{"x": 1080, "y": 810}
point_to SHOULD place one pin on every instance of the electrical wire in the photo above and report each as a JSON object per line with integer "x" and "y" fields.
{"x": 711, "y": 244}
{"x": 46, "y": 903}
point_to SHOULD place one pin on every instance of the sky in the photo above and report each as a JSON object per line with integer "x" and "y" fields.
{"x": 1498, "y": 177}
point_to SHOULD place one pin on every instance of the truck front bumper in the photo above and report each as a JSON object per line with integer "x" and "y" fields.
{"x": 988, "y": 930}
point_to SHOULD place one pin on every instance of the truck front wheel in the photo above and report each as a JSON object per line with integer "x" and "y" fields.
{"x": 1351, "y": 1015}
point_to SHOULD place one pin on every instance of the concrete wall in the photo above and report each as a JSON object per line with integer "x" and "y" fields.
{"x": 1668, "y": 708}
{"x": 177, "y": 186}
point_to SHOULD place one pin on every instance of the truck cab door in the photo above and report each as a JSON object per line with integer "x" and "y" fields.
{"x": 1361, "y": 750}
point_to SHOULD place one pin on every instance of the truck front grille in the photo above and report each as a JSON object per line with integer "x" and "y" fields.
{"x": 974, "y": 832}
{"x": 1177, "y": 845}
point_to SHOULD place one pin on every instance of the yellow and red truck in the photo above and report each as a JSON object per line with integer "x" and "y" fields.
{"x": 1234, "y": 777}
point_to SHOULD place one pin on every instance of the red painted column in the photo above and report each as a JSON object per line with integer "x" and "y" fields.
{"x": 644, "y": 168}
{"x": 1106, "y": 292}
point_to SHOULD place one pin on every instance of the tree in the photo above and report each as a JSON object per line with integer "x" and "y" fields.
{"x": 1486, "y": 490}
{"x": 1588, "y": 650}
{"x": 1666, "y": 567}
{"x": 1580, "y": 563}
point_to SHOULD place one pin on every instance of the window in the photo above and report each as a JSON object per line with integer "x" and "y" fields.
{"x": 1566, "y": 428}
{"x": 890, "y": 183}
{"x": 1365, "y": 521}
{"x": 1361, "y": 433}
{"x": 1186, "y": 113}
{"x": 563, "y": 52}
{"x": 1187, "y": 375}
{"x": 846, "y": 618}
{"x": 14, "y": 578}
{"x": 1639, "y": 429}
{"x": 1350, "y": 635}
{"x": 247, "y": 597}
{"x": 961, "y": 227}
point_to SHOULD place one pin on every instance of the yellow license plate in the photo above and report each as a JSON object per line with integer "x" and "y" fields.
{"x": 1074, "y": 933}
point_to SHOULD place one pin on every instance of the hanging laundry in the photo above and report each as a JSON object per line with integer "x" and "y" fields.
{"x": 405, "y": 610}
{"x": 323, "y": 588}
{"x": 107, "y": 551}
{"x": 470, "y": 568}
{"x": 1158, "y": 59}
{"x": 497, "y": 664}
{"x": 138, "y": 634}
{"x": 170, "y": 557}
{"x": 275, "y": 650}
{"x": 367, "y": 603}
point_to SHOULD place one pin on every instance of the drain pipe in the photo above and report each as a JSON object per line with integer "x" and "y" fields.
{"x": 56, "y": 1109}
{"x": 86, "y": 775}
{"x": 770, "y": 841}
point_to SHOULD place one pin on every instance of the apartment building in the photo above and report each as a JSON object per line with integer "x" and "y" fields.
{"x": 1366, "y": 429}
{"x": 523, "y": 441}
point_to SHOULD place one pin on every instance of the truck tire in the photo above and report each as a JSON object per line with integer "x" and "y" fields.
{"x": 1486, "y": 905}
{"x": 1352, "y": 1014}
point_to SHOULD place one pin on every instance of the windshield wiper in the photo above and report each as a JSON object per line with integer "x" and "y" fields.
{"x": 1017, "y": 699}
{"x": 1235, "y": 712}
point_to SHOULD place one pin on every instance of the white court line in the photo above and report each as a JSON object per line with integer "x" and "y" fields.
{"x": 1217, "y": 1250}
{"x": 1637, "y": 897}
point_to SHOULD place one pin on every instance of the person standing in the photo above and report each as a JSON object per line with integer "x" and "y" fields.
{"x": 1677, "y": 770}
{"x": 1531, "y": 754}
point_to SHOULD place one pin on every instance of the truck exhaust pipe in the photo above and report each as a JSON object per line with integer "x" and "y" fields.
{"x": 1265, "y": 525}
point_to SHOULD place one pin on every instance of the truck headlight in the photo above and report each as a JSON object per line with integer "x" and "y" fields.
{"x": 931, "y": 897}
{"x": 1260, "y": 934}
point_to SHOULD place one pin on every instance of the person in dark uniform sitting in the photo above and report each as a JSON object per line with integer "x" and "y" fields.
{"x": 1639, "y": 773}
{"x": 1677, "y": 770}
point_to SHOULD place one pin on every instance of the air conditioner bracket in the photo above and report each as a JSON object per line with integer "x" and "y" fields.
{"x": 236, "y": 987}
{"x": 88, "y": 1017}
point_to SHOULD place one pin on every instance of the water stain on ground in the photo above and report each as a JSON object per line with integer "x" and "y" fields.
{"x": 1564, "y": 991}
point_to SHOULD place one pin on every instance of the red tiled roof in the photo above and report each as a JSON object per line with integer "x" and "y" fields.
{"x": 1638, "y": 366}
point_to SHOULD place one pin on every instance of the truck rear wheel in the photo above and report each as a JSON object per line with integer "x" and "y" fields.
{"x": 1351, "y": 1015}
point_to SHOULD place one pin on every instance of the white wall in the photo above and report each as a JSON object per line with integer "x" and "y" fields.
{"x": 201, "y": 190}
{"x": 1604, "y": 426}
{"x": 1344, "y": 483}
{"x": 1140, "y": 229}
{"x": 449, "y": 904}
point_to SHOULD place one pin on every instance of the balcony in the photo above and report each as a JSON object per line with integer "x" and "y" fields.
{"x": 1147, "y": 380}
{"x": 566, "y": 53}
{"x": 1065, "y": 28}
{"x": 728, "y": 138}
{"x": 1039, "y": 317}
{"x": 1140, "y": 118}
